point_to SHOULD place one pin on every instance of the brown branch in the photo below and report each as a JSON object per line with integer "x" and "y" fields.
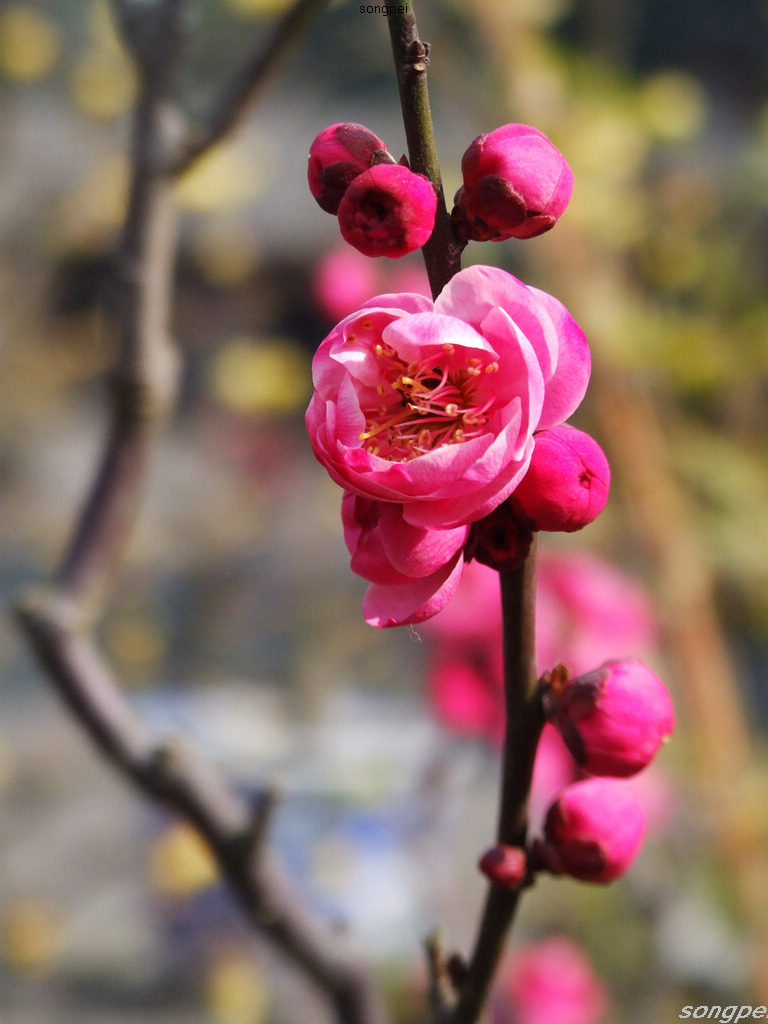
{"x": 525, "y": 721}
{"x": 175, "y": 775}
{"x": 442, "y": 257}
{"x": 244, "y": 89}
{"x": 442, "y": 253}
{"x": 57, "y": 619}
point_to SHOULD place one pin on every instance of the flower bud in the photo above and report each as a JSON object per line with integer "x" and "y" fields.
{"x": 614, "y": 719}
{"x": 505, "y": 866}
{"x": 337, "y": 156}
{"x": 516, "y": 185}
{"x": 501, "y": 540}
{"x": 388, "y": 211}
{"x": 593, "y": 831}
{"x": 566, "y": 485}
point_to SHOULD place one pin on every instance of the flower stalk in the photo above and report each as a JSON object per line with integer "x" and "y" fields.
{"x": 442, "y": 252}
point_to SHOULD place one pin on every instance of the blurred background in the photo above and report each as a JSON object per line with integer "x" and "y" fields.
{"x": 236, "y": 620}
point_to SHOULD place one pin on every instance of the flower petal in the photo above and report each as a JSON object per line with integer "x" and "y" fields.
{"x": 407, "y": 603}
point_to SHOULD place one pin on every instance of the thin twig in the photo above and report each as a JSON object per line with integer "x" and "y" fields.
{"x": 525, "y": 720}
{"x": 244, "y": 89}
{"x": 442, "y": 253}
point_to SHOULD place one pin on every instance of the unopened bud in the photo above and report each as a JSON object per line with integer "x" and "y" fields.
{"x": 516, "y": 185}
{"x": 593, "y": 831}
{"x": 337, "y": 156}
{"x": 566, "y": 485}
{"x": 506, "y": 866}
{"x": 388, "y": 211}
{"x": 501, "y": 540}
{"x": 614, "y": 719}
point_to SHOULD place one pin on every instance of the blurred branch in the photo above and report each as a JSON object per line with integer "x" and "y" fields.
{"x": 174, "y": 774}
{"x": 442, "y": 253}
{"x": 244, "y": 89}
{"x": 525, "y": 720}
{"x": 57, "y": 619}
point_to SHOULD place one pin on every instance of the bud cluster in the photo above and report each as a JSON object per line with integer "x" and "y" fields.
{"x": 613, "y": 721}
{"x": 384, "y": 209}
{"x": 516, "y": 184}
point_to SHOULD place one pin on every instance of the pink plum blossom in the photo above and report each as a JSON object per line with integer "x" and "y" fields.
{"x": 551, "y": 982}
{"x": 413, "y": 571}
{"x": 516, "y": 185}
{"x": 336, "y": 157}
{"x": 613, "y": 719}
{"x": 593, "y": 831}
{"x": 434, "y": 406}
{"x": 387, "y": 211}
{"x": 566, "y": 486}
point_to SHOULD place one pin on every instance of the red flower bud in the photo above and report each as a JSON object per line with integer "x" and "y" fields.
{"x": 613, "y": 720}
{"x": 593, "y": 831}
{"x": 566, "y": 485}
{"x": 505, "y": 866}
{"x": 337, "y": 156}
{"x": 516, "y": 185}
{"x": 388, "y": 211}
{"x": 501, "y": 540}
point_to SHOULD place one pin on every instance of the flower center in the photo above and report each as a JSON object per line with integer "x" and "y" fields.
{"x": 426, "y": 404}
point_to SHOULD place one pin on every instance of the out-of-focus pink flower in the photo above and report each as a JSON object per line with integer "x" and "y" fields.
{"x": 336, "y": 157}
{"x": 516, "y": 185}
{"x": 613, "y": 719}
{"x": 342, "y": 282}
{"x": 388, "y": 211}
{"x": 413, "y": 571}
{"x": 473, "y": 618}
{"x": 465, "y": 686}
{"x": 566, "y": 486}
{"x": 551, "y": 982}
{"x": 434, "y": 406}
{"x": 553, "y": 770}
{"x": 407, "y": 277}
{"x": 344, "y": 279}
{"x": 655, "y": 793}
{"x": 593, "y": 831}
{"x": 587, "y": 611}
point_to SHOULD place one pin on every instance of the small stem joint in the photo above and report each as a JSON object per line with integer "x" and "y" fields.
{"x": 417, "y": 58}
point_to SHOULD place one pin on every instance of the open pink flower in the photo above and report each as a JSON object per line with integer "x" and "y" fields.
{"x": 413, "y": 571}
{"x": 434, "y": 406}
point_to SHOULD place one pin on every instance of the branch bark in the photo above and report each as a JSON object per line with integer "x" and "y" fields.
{"x": 245, "y": 87}
{"x": 58, "y": 618}
{"x": 442, "y": 253}
{"x": 525, "y": 721}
